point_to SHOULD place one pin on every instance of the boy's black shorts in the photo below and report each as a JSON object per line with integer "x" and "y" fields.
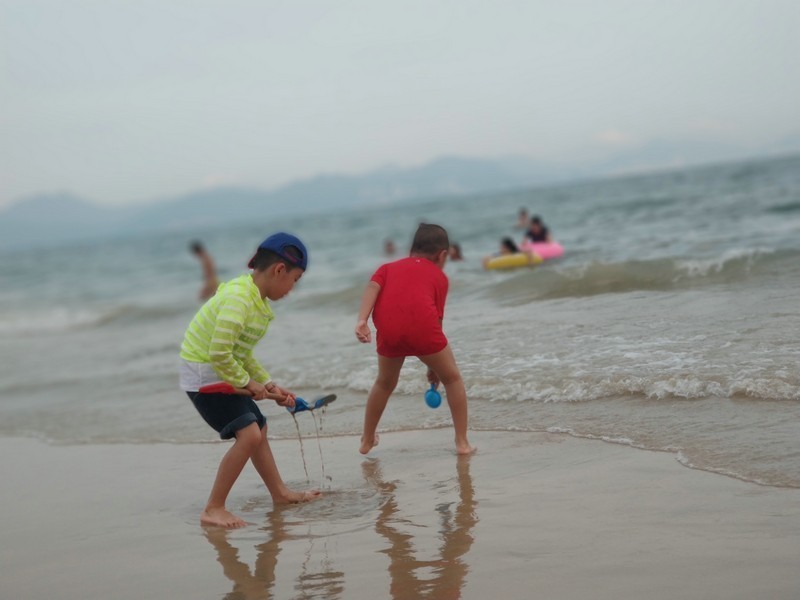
{"x": 227, "y": 413}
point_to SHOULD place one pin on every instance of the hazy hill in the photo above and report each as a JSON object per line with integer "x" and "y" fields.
{"x": 57, "y": 218}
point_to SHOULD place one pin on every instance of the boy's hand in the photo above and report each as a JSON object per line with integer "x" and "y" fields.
{"x": 258, "y": 390}
{"x": 363, "y": 333}
{"x": 433, "y": 378}
{"x": 288, "y": 397}
{"x": 287, "y": 401}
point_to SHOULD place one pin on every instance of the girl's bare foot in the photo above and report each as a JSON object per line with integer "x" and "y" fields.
{"x": 221, "y": 517}
{"x": 463, "y": 448}
{"x": 367, "y": 444}
{"x": 292, "y": 497}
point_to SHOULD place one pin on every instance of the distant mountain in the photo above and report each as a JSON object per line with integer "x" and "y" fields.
{"x": 72, "y": 211}
{"x": 55, "y": 218}
{"x": 58, "y": 218}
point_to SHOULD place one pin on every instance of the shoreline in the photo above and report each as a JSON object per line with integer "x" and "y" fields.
{"x": 562, "y": 515}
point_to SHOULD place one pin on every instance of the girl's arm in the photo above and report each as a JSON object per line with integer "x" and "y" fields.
{"x": 368, "y": 299}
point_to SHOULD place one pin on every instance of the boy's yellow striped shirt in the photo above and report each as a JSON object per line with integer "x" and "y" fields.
{"x": 226, "y": 329}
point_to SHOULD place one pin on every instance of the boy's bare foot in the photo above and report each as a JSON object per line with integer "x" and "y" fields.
{"x": 221, "y": 518}
{"x": 367, "y": 445}
{"x": 292, "y": 497}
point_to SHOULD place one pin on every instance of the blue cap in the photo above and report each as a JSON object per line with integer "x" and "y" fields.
{"x": 278, "y": 242}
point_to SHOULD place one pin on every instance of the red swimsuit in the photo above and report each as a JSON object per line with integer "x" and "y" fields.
{"x": 409, "y": 309}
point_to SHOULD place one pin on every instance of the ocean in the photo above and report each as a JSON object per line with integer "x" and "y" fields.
{"x": 671, "y": 323}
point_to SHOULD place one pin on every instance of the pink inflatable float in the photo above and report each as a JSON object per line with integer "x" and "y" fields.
{"x": 546, "y": 250}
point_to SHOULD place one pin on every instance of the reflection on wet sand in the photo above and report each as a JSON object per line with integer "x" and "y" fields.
{"x": 259, "y": 583}
{"x": 255, "y": 585}
{"x": 425, "y": 537}
{"x": 407, "y": 574}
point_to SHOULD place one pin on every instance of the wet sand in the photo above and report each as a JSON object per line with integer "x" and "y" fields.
{"x": 528, "y": 516}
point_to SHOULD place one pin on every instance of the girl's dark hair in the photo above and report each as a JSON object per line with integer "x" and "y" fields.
{"x": 264, "y": 259}
{"x": 429, "y": 240}
{"x": 509, "y": 244}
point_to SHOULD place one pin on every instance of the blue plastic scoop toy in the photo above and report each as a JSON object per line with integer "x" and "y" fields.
{"x": 300, "y": 405}
{"x": 432, "y": 397}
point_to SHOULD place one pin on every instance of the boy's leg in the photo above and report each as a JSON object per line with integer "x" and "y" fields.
{"x": 264, "y": 462}
{"x": 385, "y": 382}
{"x": 443, "y": 363}
{"x": 215, "y": 513}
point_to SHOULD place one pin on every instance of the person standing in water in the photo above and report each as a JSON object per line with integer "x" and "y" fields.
{"x": 210, "y": 282}
{"x": 523, "y": 220}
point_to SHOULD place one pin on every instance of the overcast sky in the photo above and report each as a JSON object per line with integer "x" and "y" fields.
{"x": 127, "y": 101}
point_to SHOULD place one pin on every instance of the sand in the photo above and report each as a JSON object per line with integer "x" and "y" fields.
{"x": 529, "y": 516}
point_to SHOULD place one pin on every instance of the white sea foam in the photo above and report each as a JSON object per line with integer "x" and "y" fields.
{"x": 52, "y": 320}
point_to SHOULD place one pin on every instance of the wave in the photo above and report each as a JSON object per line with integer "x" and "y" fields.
{"x": 515, "y": 387}
{"x": 63, "y": 319}
{"x": 596, "y": 278}
{"x": 552, "y": 281}
{"x": 650, "y": 389}
{"x": 769, "y": 479}
{"x": 347, "y": 297}
{"x": 788, "y": 207}
{"x": 55, "y": 320}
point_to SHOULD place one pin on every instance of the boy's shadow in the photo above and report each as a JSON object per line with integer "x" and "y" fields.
{"x": 449, "y": 570}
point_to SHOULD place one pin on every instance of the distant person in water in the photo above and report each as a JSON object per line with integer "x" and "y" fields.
{"x": 210, "y": 282}
{"x": 537, "y": 232}
{"x": 389, "y": 247}
{"x": 455, "y": 252}
{"x": 523, "y": 221}
{"x": 406, "y": 300}
{"x": 507, "y": 246}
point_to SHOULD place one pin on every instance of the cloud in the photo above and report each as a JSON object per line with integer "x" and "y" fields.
{"x": 715, "y": 126}
{"x": 216, "y": 180}
{"x": 615, "y": 137}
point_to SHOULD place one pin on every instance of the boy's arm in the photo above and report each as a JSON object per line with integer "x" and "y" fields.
{"x": 260, "y": 375}
{"x": 230, "y": 322}
{"x": 368, "y": 299}
{"x": 256, "y": 371}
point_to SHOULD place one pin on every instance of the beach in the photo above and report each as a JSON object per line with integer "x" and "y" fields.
{"x": 636, "y": 408}
{"x": 530, "y": 515}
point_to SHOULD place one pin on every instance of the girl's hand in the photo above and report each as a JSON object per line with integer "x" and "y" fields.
{"x": 363, "y": 333}
{"x": 433, "y": 378}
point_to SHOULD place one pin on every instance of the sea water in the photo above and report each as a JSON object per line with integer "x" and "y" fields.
{"x": 671, "y": 323}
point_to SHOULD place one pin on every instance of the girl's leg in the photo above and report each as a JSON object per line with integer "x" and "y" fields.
{"x": 264, "y": 462}
{"x": 230, "y": 468}
{"x": 388, "y": 374}
{"x": 443, "y": 363}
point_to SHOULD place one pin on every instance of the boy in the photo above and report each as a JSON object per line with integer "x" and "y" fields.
{"x": 218, "y": 345}
{"x": 406, "y": 299}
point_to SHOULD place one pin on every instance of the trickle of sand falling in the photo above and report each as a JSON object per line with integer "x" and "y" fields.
{"x": 319, "y": 444}
{"x": 302, "y": 451}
